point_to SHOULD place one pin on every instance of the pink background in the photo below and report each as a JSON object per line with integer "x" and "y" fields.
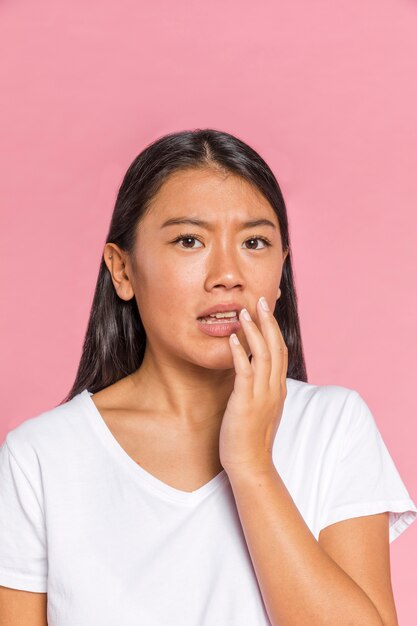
{"x": 326, "y": 92}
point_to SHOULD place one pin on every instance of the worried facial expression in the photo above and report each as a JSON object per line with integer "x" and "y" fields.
{"x": 195, "y": 249}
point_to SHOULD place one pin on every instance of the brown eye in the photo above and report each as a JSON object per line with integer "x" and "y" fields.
{"x": 264, "y": 241}
{"x": 188, "y": 239}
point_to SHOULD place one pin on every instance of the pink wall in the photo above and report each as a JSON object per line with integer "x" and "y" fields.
{"x": 324, "y": 90}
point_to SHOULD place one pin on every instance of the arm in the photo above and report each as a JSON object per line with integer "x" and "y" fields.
{"x": 20, "y": 608}
{"x": 300, "y": 583}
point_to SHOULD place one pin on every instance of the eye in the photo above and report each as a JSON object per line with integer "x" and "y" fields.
{"x": 186, "y": 238}
{"x": 190, "y": 237}
{"x": 263, "y": 239}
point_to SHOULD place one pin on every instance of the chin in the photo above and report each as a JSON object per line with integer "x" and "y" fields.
{"x": 214, "y": 360}
{"x": 218, "y": 358}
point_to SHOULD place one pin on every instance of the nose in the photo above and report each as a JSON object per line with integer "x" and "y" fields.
{"x": 224, "y": 269}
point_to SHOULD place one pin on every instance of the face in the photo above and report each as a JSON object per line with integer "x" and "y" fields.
{"x": 184, "y": 269}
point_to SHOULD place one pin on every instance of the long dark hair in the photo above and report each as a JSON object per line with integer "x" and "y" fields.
{"x": 115, "y": 340}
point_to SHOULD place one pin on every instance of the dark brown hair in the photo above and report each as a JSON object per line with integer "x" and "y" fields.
{"x": 115, "y": 339}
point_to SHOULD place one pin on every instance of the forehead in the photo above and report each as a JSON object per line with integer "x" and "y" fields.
{"x": 209, "y": 194}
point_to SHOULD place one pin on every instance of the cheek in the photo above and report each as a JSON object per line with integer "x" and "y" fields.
{"x": 154, "y": 280}
{"x": 180, "y": 282}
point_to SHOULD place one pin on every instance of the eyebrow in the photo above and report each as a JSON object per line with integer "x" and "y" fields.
{"x": 209, "y": 226}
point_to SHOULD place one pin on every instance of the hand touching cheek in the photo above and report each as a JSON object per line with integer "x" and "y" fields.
{"x": 255, "y": 406}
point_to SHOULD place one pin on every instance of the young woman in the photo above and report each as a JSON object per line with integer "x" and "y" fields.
{"x": 192, "y": 476}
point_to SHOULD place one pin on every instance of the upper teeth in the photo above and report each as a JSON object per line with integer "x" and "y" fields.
{"x": 225, "y": 314}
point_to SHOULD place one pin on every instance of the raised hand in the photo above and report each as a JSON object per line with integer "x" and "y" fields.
{"x": 254, "y": 409}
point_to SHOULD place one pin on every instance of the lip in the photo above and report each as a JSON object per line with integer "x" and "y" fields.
{"x": 222, "y": 308}
{"x": 221, "y": 329}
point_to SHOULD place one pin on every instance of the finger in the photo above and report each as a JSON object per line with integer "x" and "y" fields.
{"x": 283, "y": 373}
{"x": 273, "y": 336}
{"x": 261, "y": 355}
{"x": 284, "y": 368}
{"x": 243, "y": 385}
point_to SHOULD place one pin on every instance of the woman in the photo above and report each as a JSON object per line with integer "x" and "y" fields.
{"x": 192, "y": 476}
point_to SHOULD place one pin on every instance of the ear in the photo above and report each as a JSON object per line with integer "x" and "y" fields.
{"x": 116, "y": 260}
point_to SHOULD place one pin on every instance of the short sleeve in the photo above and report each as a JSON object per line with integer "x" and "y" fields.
{"x": 366, "y": 480}
{"x": 23, "y": 560}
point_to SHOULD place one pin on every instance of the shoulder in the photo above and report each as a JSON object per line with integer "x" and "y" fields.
{"x": 313, "y": 400}
{"x": 44, "y": 433}
{"x": 317, "y": 414}
{"x": 313, "y": 431}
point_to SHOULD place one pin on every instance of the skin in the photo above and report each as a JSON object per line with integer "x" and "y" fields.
{"x": 189, "y": 373}
{"x": 205, "y": 391}
{"x": 192, "y": 383}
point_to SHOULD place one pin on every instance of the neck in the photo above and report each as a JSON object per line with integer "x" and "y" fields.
{"x": 192, "y": 396}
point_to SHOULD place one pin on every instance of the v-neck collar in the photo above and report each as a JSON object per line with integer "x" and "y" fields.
{"x": 136, "y": 470}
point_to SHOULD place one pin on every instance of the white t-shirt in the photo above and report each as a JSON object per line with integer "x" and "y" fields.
{"x": 112, "y": 544}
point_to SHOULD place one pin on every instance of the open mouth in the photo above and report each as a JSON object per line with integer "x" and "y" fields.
{"x": 220, "y": 318}
{"x": 220, "y": 324}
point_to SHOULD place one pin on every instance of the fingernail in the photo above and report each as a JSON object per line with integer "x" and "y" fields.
{"x": 246, "y": 315}
{"x": 264, "y": 303}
